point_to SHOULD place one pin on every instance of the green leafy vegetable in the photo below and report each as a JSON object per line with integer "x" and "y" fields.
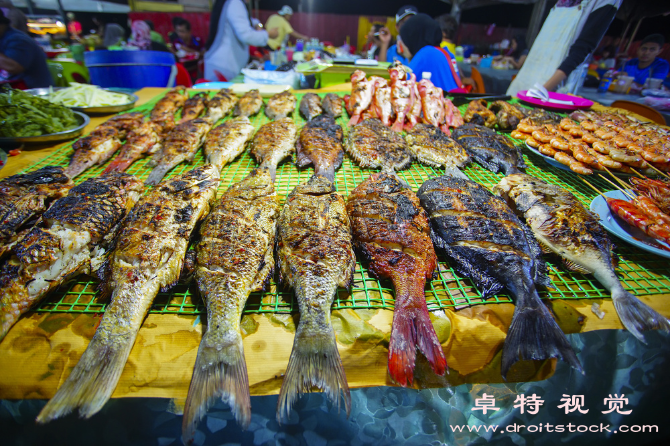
{"x": 22, "y": 114}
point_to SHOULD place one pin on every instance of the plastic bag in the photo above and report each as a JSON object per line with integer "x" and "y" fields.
{"x": 272, "y": 77}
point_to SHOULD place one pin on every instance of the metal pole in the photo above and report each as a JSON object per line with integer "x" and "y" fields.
{"x": 535, "y": 21}
{"x": 30, "y": 7}
{"x": 632, "y": 36}
{"x": 61, "y": 11}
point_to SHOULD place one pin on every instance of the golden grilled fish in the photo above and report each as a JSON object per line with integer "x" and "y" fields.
{"x": 235, "y": 256}
{"x": 332, "y": 105}
{"x": 165, "y": 109}
{"x": 71, "y": 239}
{"x": 273, "y": 142}
{"x": 249, "y": 104}
{"x": 315, "y": 257}
{"x": 374, "y": 145}
{"x": 225, "y": 142}
{"x": 23, "y": 199}
{"x": 194, "y": 107}
{"x": 565, "y": 227}
{"x": 280, "y": 105}
{"x": 148, "y": 257}
{"x": 320, "y": 144}
{"x": 221, "y": 104}
{"x": 310, "y": 106}
{"x": 180, "y": 145}
{"x": 145, "y": 140}
{"x": 431, "y": 146}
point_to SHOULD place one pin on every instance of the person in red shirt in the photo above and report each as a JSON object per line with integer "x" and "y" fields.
{"x": 73, "y": 27}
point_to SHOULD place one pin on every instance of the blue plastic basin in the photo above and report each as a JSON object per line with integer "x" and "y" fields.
{"x": 129, "y": 69}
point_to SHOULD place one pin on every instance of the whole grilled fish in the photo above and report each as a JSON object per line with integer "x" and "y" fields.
{"x": 221, "y": 104}
{"x": 24, "y": 197}
{"x": 148, "y": 257}
{"x": 508, "y": 115}
{"x": 374, "y": 145}
{"x": 431, "y": 146}
{"x": 249, "y": 104}
{"x": 180, "y": 145}
{"x": 234, "y": 257}
{"x": 563, "y": 226}
{"x": 490, "y": 149}
{"x": 165, "y": 109}
{"x": 146, "y": 139}
{"x": 381, "y": 101}
{"x": 273, "y": 142}
{"x": 280, "y": 105}
{"x": 71, "y": 239}
{"x": 391, "y": 232}
{"x": 315, "y": 257}
{"x": 332, "y": 105}
{"x": 320, "y": 144}
{"x": 362, "y": 91}
{"x": 194, "y": 107}
{"x": 478, "y": 113}
{"x": 225, "y": 142}
{"x": 310, "y": 106}
{"x": 489, "y": 244}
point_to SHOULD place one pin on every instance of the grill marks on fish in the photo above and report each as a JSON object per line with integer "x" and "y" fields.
{"x": 280, "y": 105}
{"x": 315, "y": 257}
{"x": 148, "y": 257}
{"x": 235, "y": 256}
{"x": 249, "y": 104}
{"x": 493, "y": 151}
{"x": 70, "y": 239}
{"x": 433, "y": 147}
{"x": 320, "y": 144}
{"x": 332, "y": 105}
{"x": 391, "y": 232}
{"x": 310, "y": 106}
{"x": 193, "y": 107}
{"x": 488, "y": 243}
{"x": 273, "y": 142}
{"x": 374, "y": 145}
{"x": 221, "y": 104}
{"x": 565, "y": 227}
{"x": 224, "y": 143}
{"x": 165, "y": 109}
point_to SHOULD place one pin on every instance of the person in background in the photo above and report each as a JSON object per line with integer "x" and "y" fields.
{"x": 607, "y": 60}
{"x": 449, "y": 27}
{"x": 420, "y": 39}
{"x": 647, "y": 64}
{"x": 21, "y": 58}
{"x": 111, "y": 34}
{"x": 182, "y": 38}
{"x": 281, "y": 22}
{"x": 372, "y": 47}
{"x": 230, "y": 35}
{"x": 17, "y": 18}
{"x": 73, "y": 26}
{"x": 389, "y": 51}
{"x": 141, "y": 38}
{"x": 155, "y": 37}
{"x": 517, "y": 53}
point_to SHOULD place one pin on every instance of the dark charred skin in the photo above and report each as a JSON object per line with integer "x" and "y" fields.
{"x": 374, "y": 145}
{"x": 478, "y": 113}
{"x": 320, "y": 144}
{"x": 310, "y": 106}
{"x": 508, "y": 116}
{"x": 495, "y": 152}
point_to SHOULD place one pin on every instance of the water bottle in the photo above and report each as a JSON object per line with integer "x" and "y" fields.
{"x": 606, "y": 81}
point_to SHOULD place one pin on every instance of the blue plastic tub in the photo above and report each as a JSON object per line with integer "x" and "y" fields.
{"x": 130, "y": 69}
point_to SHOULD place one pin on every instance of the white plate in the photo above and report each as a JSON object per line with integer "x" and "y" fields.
{"x": 615, "y": 226}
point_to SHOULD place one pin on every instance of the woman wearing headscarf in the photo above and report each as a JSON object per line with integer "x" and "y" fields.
{"x": 141, "y": 37}
{"x": 113, "y": 34}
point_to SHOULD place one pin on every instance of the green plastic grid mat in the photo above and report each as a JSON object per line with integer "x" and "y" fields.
{"x": 640, "y": 273}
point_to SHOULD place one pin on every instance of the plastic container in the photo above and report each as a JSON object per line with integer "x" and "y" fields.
{"x": 622, "y": 84}
{"x": 131, "y": 69}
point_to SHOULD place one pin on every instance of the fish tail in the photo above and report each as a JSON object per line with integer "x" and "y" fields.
{"x": 220, "y": 372}
{"x": 92, "y": 381}
{"x": 315, "y": 361}
{"x": 118, "y": 165}
{"x": 399, "y": 124}
{"x": 354, "y": 120}
{"x": 75, "y": 169}
{"x": 157, "y": 174}
{"x": 636, "y": 316}
{"x": 271, "y": 167}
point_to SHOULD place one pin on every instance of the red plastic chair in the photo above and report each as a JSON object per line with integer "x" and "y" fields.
{"x": 183, "y": 77}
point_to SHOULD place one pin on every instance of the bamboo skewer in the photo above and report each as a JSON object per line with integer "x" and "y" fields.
{"x": 593, "y": 187}
{"x": 618, "y": 187}
{"x": 663, "y": 174}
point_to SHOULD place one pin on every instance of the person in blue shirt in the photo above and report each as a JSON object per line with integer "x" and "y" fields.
{"x": 647, "y": 64}
{"x": 420, "y": 41}
{"x": 388, "y": 52}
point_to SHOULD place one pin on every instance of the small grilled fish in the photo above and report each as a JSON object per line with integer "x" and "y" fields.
{"x": 180, "y": 145}
{"x": 315, "y": 257}
{"x": 431, "y": 146}
{"x": 478, "y": 113}
{"x": 362, "y": 91}
{"x": 493, "y": 151}
{"x": 249, "y": 104}
{"x": 374, "y": 145}
{"x": 235, "y": 256}
{"x": 148, "y": 257}
{"x": 391, "y": 232}
{"x": 381, "y": 101}
{"x": 310, "y": 106}
{"x": 508, "y": 115}
{"x": 221, "y": 104}
{"x": 273, "y": 142}
{"x": 225, "y": 142}
{"x": 280, "y": 105}
{"x": 320, "y": 144}
{"x": 165, "y": 109}
{"x": 193, "y": 107}
{"x": 563, "y": 226}
{"x": 146, "y": 139}
{"x": 71, "y": 239}
{"x": 332, "y": 105}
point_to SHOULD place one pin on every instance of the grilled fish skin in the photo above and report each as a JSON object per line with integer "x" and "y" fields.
{"x": 148, "y": 256}
{"x": 194, "y": 107}
{"x": 310, "y": 106}
{"x": 320, "y": 144}
{"x": 374, "y": 145}
{"x": 431, "y": 146}
{"x": 332, "y": 105}
{"x": 146, "y": 139}
{"x": 249, "y": 104}
{"x": 562, "y": 224}
{"x": 508, "y": 116}
{"x": 165, "y": 109}
{"x": 478, "y": 113}
{"x": 280, "y": 105}
{"x": 315, "y": 257}
{"x": 26, "y": 196}
{"x": 273, "y": 142}
{"x": 221, "y": 104}
{"x": 225, "y": 142}
{"x": 234, "y": 257}
{"x": 489, "y": 244}
{"x": 71, "y": 238}
{"x": 391, "y": 232}
{"x": 493, "y": 151}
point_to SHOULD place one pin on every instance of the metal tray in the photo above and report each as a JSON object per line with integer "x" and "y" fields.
{"x": 82, "y": 120}
{"x": 132, "y": 99}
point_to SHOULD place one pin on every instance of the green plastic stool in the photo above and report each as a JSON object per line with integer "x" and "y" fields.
{"x": 74, "y": 72}
{"x": 56, "y": 71}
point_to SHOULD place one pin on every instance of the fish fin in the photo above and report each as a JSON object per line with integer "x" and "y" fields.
{"x": 544, "y": 247}
{"x": 354, "y": 120}
{"x": 637, "y": 316}
{"x": 92, "y": 381}
{"x": 265, "y": 273}
{"x": 117, "y": 166}
{"x": 220, "y": 372}
{"x": 157, "y": 175}
{"x": 572, "y": 266}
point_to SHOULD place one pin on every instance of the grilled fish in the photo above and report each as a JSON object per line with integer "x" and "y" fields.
{"x": 381, "y": 102}
{"x": 332, "y": 105}
{"x": 71, "y": 239}
{"x": 280, "y": 105}
{"x": 234, "y": 257}
{"x": 165, "y": 109}
{"x": 221, "y": 104}
{"x": 391, "y": 232}
{"x": 273, "y": 142}
{"x": 563, "y": 226}
{"x": 508, "y": 116}
{"x": 193, "y": 107}
{"x": 315, "y": 257}
{"x": 489, "y": 244}
{"x": 431, "y": 146}
{"x": 310, "y": 106}
{"x": 478, "y": 113}
{"x": 362, "y": 91}
{"x": 249, "y": 104}
{"x": 225, "y": 142}
{"x": 180, "y": 145}
{"x": 320, "y": 144}
{"x": 25, "y": 197}
{"x": 490, "y": 149}
{"x": 432, "y": 104}
{"x": 148, "y": 257}
{"x": 374, "y": 145}
{"x": 144, "y": 140}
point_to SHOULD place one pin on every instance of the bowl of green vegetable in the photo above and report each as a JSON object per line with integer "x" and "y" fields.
{"x": 87, "y": 98}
